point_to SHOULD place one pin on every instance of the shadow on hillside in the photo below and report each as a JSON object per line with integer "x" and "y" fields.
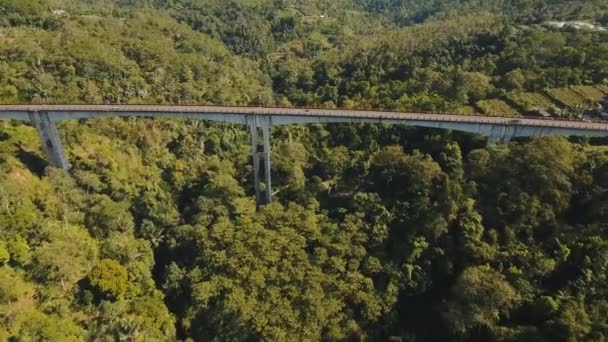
{"x": 33, "y": 162}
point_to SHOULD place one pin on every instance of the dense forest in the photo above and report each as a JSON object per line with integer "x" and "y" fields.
{"x": 377, "y": 233}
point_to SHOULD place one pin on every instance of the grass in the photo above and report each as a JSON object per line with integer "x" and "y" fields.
{"x": 592, "y": 93}
{"x": 603, "y": 88}
{"x": 496, "y": 108}
{"x": 569, "y": 97}
{"x": 528, "y": 101}
{"x": 467, "y": 110}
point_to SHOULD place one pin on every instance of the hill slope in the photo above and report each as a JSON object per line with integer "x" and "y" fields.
{"x": 377, "y": 232}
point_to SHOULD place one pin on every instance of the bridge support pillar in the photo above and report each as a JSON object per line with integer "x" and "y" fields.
{"x": 493, "y": 140}
{"x": 267, "y": 172}
{"x": 256, "y": 161}
{"x": 51, "y": 141}
{"x": 257, "y": 156}
{"x": 501, "y": 134}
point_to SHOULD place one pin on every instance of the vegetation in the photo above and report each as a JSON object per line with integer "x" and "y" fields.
{"x": 592, "y": 93}
{"x": 496, "y": 108}
{"x": 569, "y": 97}
{"x": 377, "y": 232}
{"x": 526, "y": 102}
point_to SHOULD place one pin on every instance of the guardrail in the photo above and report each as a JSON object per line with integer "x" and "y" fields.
{"x": 317, "y": 112}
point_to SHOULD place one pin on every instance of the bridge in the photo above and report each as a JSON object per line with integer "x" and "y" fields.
{"x": 498, "y": 129}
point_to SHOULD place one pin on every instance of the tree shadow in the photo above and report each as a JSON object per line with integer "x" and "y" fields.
{"x": 32, "y": 161}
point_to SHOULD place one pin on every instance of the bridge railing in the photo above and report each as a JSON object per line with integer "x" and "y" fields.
{"x": 230, "y": 109}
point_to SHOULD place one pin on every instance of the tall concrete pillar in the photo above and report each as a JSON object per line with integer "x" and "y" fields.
{"x": 256, "y": 161}
{"x": 51, "y": 141}
{"x": 501, "y": 135}
{"x": 492, "y": 140}
{"x": 264, "y": 123}
{"x": 267, "y": 173}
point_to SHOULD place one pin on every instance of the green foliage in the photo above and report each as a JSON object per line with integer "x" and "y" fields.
{"x": 289, "y": 161}
{"x": 4, "y": 255}
{"x": 43, "y": 327}
{"x": 592, "y": 93}
{"x": 138, "y": 319}
{"x": 524, "y": 203}
{"x": 305, "y": 290}
{"x": 266, "y": 52}
{"x": 479, "y": 298}
{"x": 129, "y": 61}
{"x": 496, "y": 108}
{"x": 106, "y": 216}
{"x": 376, "y": 232}
{"x": 527, "y": 102}
{"x": 19, "y": 251}
{"x": 13, "y": 287}
{"x": 66, "y": 256}
{"x": 569, "y": 98}
{"x": 109, "y": 278}
{"x": 385, "y": 217}
{"x": 16, "y": 301}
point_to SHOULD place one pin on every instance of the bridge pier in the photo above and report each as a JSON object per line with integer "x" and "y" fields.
{"x": 264, "y": 155}
{"x": 51, "y": 141}
{"x": 501, "y": 134}
{"x": 256, "y": 161}
{"x": 267, "y": 172}
{"x": 494, "y": 139}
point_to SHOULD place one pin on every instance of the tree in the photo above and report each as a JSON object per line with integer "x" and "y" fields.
{"x": 107, "y": 216}
{"x": 514, "y": 80}
{"x": 13, "y": 288}
{"x": 524, "y": 203}
{"x": 144, "y": 318}
{"x": 255, "y": 278}
{"x": 137, "y": 257}
{"x": 42, "y": 327}
{"x": 16, "y": 300}
{"x": 478, "y": 85}
{"x": 8, "y": 94}
{"x": 4, "y": 254}
{"x": 66, "y": 257}
{"x": 289, "y": 162}
{"x": 479, "y": 298}
{"x": 110, "y": 279}
{"x": 573, "y": 322}
{"x": 377, "y": 232}
{"x": 19, "y": 250}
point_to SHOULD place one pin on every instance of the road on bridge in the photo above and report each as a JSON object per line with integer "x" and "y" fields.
{"x": 498, "y": 129}
{"x": 151, "y": 110}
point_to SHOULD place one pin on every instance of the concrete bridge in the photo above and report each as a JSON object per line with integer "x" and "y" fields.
{"x": 498, "y": 129}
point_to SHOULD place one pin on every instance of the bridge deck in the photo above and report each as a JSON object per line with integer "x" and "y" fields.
{"x": 64, "y": 112}
{"x": 498, "y": 129}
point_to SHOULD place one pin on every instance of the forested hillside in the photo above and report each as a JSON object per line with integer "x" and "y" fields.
{"x": 377, "y": 232}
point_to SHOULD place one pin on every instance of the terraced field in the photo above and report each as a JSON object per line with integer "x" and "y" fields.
{"x": 569, "y": 97}
{"x": 525, "y": 102}
{"x": 592, "y": 93}
{"x": 467, "y": 110}
{"x": 496, "y": 108}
